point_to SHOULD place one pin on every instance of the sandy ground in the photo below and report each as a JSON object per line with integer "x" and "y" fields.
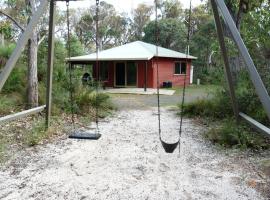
{"x": 128, "y": 162}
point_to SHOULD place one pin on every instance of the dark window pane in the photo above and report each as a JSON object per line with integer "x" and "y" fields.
{"x": 183, "y": 68}
{"x": 131, "y": 74}
{"x": 104, "y": 71}
{"x": 177, "y": 68}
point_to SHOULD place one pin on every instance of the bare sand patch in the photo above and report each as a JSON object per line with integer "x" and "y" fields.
{"x": 128, "y": 162}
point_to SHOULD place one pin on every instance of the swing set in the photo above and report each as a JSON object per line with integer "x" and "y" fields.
{"x": 220, "y": 10}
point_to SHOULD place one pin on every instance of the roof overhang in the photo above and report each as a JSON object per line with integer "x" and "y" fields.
{"x": 90, "y": 60}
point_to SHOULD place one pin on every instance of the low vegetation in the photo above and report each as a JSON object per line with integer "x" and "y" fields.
{"x": 217, "y": 113}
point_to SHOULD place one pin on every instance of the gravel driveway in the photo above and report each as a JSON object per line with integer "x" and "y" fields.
{"x": 128, "y": 162}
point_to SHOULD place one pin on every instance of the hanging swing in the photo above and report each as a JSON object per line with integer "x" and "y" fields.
{"x": 80, "y": 134}
{"x": 170, "y": 147}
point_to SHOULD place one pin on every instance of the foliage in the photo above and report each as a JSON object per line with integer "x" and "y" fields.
{"x": 170, "y": 30}
{"x": 88, "y": 99}
{"x": 10, "y": 103}
{"x": 111, "y": 26}
{"x": 76, "y": 48}
{"x": 5, "y": 52}
{"x": 219, "y": 110}
{"x": 38, "y": 132}
{"x": 232, "y": 134}
{"x": 170, "y": 9}
{"x": 141, "y": 16}
{"x": 16, "y": 81}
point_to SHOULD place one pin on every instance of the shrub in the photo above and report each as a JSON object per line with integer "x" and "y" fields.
{"x": 10, "y": 103}
{"x": 16, "y": 81}
{"x": 229, "y": 133}
{"x": 232, "y": 134}
{"x": 88, "y": 100}
{"x": 218, "y": 107}
{"x": 5, "y": 52}
{"x": 39, "y": 133}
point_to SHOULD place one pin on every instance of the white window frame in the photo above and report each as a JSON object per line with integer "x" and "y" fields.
{"x": 180, "y": 62}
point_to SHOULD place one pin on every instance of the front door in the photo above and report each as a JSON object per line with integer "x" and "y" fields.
{"x": 131, "y": 74}
{"x": 120, "y": 74}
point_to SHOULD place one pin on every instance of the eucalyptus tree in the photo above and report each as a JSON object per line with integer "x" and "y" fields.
{"x": 140, "y": 18}
{"x": 20, "y": 12}
{"x": 112, "y": 26}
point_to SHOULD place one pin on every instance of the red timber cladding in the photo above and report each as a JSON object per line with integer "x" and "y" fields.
{"x": 110, "y": 81}
{"x": 166, "y": 72}
{"x": 141, "y": 74}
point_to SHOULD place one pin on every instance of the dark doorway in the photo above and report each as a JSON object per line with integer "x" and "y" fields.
{"x": 120, "y": 74}
{"x": 131, "y": 74}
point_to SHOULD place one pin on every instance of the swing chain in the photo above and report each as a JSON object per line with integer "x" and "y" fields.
{"x": 71, "y": 88}
{"x": 97, "y": 66}
{"x": 185, "y": 78}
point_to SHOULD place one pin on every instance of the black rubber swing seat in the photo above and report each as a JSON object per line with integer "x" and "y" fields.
{"x": 169, "y": 147}
{"x": 84, "y": 135}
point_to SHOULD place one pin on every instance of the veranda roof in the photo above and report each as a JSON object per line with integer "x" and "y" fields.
{"x": 132, "y": 51}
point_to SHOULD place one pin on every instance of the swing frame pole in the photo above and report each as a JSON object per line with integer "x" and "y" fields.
{"x": 220, "y": 10}
{"x": 50, "y": 63}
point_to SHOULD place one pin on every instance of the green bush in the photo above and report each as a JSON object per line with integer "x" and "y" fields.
{"x": 239, "y": 135}
{"x": 39, "y": 133}
{"x": 5, "y": 52}
{"x": 16, "y": 81}
{"x": 36, "y": 134}
{"x": 219, "y": 108}
{"x": 87, "y": 100}
{"x": 10, "y": 103}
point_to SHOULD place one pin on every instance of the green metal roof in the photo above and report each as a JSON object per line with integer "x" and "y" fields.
{"x": 132, "y": 51}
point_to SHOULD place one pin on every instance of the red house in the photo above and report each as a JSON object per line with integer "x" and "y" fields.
{"x": 135, "y": 65}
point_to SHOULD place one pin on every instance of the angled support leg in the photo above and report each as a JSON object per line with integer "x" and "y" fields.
{"x": 220, "y": 34}
{"x": 253, "y": 73}
{"x": 22, "y": 42}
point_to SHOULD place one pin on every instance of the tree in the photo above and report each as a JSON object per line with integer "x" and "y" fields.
{"x": 140, "y": 18}
{"x": 111, "y": 27}
{"x": 172, "y": 34}
{"x": 32, "y": 75}
{"x": 170, "y": 9}
{"x": 20, "y": 12}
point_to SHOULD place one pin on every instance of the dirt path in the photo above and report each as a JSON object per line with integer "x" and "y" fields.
{"x": 128, "y": 162}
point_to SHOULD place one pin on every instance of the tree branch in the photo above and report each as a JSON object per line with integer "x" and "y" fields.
{"x": 13, "y": 20}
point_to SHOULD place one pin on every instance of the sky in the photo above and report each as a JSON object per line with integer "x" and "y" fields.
{"x": 122, "y": 5}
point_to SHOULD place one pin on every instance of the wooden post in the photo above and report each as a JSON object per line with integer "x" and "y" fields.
{"x": 145, "y": 76}
{"x": 50, "y": 63}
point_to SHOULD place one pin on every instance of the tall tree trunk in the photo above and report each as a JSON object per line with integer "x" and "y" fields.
{"x": 32, "y": 78}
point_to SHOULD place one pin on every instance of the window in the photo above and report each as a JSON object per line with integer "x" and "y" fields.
{"x": 104, "y": 71}
{"x": 180, "y": 68}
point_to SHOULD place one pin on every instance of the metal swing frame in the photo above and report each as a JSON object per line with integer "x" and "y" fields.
{"x": 219, "y": 9}
{"x": 25, "y": 36}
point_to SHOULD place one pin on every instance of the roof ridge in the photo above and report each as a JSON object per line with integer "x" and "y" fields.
{"x": 141, "y": 43}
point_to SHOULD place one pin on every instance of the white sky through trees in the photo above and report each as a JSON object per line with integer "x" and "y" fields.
{"x": 123, "y": 5}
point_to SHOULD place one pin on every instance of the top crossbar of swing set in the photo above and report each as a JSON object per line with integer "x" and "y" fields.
{"x": 219, "y": 9}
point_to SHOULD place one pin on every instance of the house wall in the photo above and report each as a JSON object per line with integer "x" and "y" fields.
{"x": 166, "y": 72}
{"x": 141, "y": 74}
{"x": 110, "y": 81}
